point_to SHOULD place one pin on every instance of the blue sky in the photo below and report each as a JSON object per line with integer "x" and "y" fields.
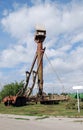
{"x": 63, "y": 20}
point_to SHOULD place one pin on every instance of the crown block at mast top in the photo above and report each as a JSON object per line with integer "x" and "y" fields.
{"x": 40, "y": 34}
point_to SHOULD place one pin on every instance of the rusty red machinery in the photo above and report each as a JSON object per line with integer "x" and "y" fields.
{"x": 23, "y": 95}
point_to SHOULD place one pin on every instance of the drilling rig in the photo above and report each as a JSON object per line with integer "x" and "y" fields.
{"x": 24, "y": 95}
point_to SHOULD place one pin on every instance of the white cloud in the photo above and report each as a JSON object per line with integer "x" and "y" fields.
{"x": 78, "y": 37}
{"x": 19, "y": 22}
{"x": 15, "y": 55}
{"x": 64, "y": 24}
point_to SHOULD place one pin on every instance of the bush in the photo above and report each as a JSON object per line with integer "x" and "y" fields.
{"x": 81, "y": 105}
{"x": 10, "y": 89}
{"x": 71, "y": 104}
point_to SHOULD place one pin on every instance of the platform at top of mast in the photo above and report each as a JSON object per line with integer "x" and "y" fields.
{"x": 40, "y": 34}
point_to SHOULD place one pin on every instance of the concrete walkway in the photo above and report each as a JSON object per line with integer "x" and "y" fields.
{"x": 15, "y": 122}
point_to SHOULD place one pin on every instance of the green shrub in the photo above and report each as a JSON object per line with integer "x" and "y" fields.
{"x": 10, "y": 89}
{"x": 71, "y": 104}
{"x": 81, "y": 105}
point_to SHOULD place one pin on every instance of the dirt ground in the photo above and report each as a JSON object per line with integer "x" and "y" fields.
{"x": 15, "y": 122}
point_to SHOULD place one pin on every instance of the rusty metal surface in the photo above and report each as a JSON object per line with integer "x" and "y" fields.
{"x": 39, "y": 38}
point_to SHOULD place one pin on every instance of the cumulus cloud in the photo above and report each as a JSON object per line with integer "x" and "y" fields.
{"x": 22, "y": 20}
{"x": 64, "y": 25}
{"x": 15, "y": 55}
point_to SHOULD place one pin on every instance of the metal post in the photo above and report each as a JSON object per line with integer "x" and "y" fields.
{"x": 40, "y": 71}
{"x": 78, "y": 102}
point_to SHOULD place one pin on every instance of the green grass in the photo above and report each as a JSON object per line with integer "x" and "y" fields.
{"x": 40, "y": 110}
{"x": 21, "y": 119}
{"x": 43, "y": 117}
{"x": 81, "y": 121}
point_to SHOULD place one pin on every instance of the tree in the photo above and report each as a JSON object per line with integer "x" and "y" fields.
{"x": 11, "y": 89}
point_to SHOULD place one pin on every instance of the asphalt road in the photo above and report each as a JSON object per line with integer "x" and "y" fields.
{"x": 12, "y": 122}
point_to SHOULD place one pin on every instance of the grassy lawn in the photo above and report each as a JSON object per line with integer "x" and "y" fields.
{"x": 40, "y": 110}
